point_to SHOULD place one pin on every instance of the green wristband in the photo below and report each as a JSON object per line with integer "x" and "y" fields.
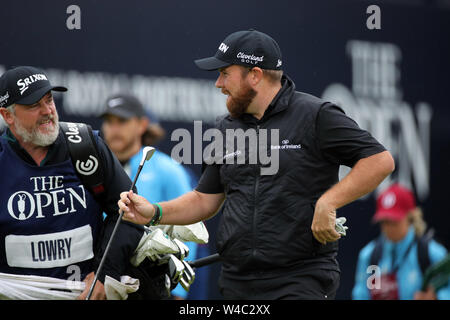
{"x": 158, "y": 215}
{"x": 160, "y": 212}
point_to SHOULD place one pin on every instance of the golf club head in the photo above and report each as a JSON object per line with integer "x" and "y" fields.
{"x": 167, "y": 284}
{"x": 184, "y": 249}
{"x": 147, "y": 153}
{"x": 185, "y": 277}
{"x": 185, "y": 284}
{"x": 189, "y": 273}
{"x": 188, "y": 277}
{"x": 176, "y": 268}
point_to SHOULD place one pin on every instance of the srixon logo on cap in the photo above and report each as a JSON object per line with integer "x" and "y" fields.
{"x": 24, "y": 83}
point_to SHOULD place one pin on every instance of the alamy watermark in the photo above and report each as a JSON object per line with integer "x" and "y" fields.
{"x": 73, "y": 282}
{"x": 73, "y": 21}
{"x": 234, "y": 146}
{"x": 373, "y": 22}
{"x": 374, "y": 280}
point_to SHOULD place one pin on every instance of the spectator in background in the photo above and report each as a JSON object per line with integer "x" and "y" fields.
{"x": 127, "y": 129}
{"x": 403, "y": 252}
{"x": 154, "y": 133}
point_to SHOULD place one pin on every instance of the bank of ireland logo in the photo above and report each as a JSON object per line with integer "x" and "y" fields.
{"x": 21, "y": 205}
{"x": 88, "y": 167}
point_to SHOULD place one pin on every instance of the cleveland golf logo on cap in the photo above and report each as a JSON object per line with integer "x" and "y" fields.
{"x": 24, "y": 83}
{"x": 249, "y": 58}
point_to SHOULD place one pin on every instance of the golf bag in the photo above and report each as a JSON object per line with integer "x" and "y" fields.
{"x": 84, "y": 155}
{"x": 159, "y": 264}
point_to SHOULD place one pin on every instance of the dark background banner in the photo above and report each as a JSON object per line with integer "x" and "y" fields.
{"x": 393, "y": 81}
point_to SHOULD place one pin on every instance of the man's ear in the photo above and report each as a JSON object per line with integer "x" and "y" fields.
{"x": 256, "y": 75}
{"x": 7, "y": 116}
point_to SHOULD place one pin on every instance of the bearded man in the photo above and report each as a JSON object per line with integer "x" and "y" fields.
{"x": 51, "y": 225}
{"x": 277, "y": 237}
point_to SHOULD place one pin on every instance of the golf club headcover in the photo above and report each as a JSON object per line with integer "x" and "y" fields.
{"x": 152, "y": 245}
{"x": 196, "y": 232}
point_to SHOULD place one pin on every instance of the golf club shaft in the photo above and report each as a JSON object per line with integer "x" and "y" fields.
{"x": 100, "y": 266}
{"x": 205, "y": 261}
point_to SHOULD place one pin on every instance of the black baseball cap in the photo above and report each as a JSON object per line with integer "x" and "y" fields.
{"x": 124, "y": 106}
{"x": 24, "y": 85}
{"x": 250, "y": 48}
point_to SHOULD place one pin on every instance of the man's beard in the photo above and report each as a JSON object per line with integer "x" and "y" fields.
{"x": 35, "y": 136}
{"x": 238, "y": 104}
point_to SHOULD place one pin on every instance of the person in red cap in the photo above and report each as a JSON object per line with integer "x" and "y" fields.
{"x": 392, "y": 266}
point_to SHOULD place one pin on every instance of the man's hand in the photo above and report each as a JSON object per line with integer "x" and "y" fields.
{"x": 324, "y": 221}
{"x": 99, "y": 291}
{"x": 136, "y": 208}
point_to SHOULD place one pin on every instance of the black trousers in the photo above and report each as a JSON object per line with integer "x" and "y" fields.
{"x": 313, "y": 284}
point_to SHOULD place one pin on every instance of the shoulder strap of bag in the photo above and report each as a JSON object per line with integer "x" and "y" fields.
{"x": 377, "y": 251}
{"x": 422, "y": 250}
{"x": 84, "y": 154}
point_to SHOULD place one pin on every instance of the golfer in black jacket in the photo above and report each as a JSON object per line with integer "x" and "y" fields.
{"x": 277, "y": 236}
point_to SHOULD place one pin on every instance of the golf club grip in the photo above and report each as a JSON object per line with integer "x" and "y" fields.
{"x": 205, "y": 261}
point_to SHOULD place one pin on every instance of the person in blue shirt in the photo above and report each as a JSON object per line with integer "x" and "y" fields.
{"x": 389, "y": 267}
{"x": 127, "y": 129}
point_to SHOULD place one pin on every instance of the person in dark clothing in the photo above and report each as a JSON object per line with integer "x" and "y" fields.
{"x": 51, "y": 224}
{"x": 277, "y": 237}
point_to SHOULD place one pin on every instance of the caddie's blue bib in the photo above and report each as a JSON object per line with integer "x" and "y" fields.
{"x": 49, "y": 221}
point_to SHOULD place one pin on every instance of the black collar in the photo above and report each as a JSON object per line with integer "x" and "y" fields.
{"x": 279, "y": 103}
